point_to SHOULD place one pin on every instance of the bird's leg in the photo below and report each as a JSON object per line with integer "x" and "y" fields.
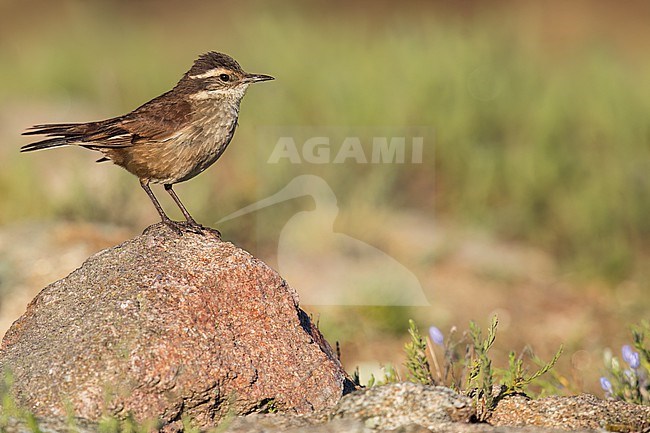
{"x": 186, "y": 214}
{"x": 165, "y": 219}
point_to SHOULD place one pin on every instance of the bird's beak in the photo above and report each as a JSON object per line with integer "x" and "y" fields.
{"x": 254, "y": 78}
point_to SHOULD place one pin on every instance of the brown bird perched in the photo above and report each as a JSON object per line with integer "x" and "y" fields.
{"x": 171, "y": 138}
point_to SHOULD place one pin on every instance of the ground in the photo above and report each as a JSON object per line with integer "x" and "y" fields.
{"x": 466, "y": 274}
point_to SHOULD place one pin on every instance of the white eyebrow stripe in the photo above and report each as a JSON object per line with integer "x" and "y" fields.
{"x": 211, "y": 73}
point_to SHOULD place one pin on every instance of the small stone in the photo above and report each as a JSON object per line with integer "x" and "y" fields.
{"x": 398, "y": 405}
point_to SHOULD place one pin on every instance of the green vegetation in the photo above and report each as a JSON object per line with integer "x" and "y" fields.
{"x": 516, "y": 379}
{"x": 9, "y": 410}
{"x": 467, "y": 366}
{"x": 630, "y": 380}
{"x": 417, "y": 366}
{"x": 11, "y": 414}
{"x": 537, "y": 145}
{"x": 110, "y": 424}
{"x": 390, "y": 376}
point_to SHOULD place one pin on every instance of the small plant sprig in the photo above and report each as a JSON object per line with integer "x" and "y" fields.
{"x": 480, "y": 378}
{"x": 515, "y": 378}
{"x": 417, "y": 365}
{"x": 390, "y": 376}
{"x": 630, "y": 383}
{"x": 467, "y": 365}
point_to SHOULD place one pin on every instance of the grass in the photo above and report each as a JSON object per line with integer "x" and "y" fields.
{"x": 537, "y": 146}
{"x": 16, "y": 418}
{"x": 467, "y": 367}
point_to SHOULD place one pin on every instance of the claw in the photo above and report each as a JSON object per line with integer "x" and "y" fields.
{"x": 201, "y": 229}
{"x": 181, "y": 227}
{"x": 175, "y": 226}
{"x": 195, "y": 227}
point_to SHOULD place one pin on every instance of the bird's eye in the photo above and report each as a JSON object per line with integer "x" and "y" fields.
{"x": 224, "y": 77}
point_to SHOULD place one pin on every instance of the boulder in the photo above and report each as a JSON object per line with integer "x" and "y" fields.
{"x": 169, "y": 326}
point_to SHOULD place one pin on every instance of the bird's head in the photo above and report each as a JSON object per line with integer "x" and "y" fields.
{"x": 215, "y": 75}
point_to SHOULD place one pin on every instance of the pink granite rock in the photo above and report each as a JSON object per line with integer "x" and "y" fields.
{"x": 166, "y": 326}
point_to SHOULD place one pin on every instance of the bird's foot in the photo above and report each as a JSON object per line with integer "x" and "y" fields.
{"x": 201, "y": 229}
{"x": 194, "y": 227}
{"x": 181, "y": 227}
{"x": 176, "y": 226}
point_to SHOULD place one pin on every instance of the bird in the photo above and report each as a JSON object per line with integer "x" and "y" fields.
{"x": 170, "y": 139}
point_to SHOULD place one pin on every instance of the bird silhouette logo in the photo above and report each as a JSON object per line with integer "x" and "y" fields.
{"x": 331, "y": 268}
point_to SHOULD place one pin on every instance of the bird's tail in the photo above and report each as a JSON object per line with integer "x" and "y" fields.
{"x": 60, "y": 134}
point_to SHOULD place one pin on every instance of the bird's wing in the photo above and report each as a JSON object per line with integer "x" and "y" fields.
{"x": 156, "y": 120}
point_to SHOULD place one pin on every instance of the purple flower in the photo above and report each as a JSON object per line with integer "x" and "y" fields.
{"x": 606, "y": 385}
{"x": 631, "y": 357}
{"x": 436, "y": 336}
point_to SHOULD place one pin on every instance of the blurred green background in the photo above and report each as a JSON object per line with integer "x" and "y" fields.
{"x": 541, "y": 112}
